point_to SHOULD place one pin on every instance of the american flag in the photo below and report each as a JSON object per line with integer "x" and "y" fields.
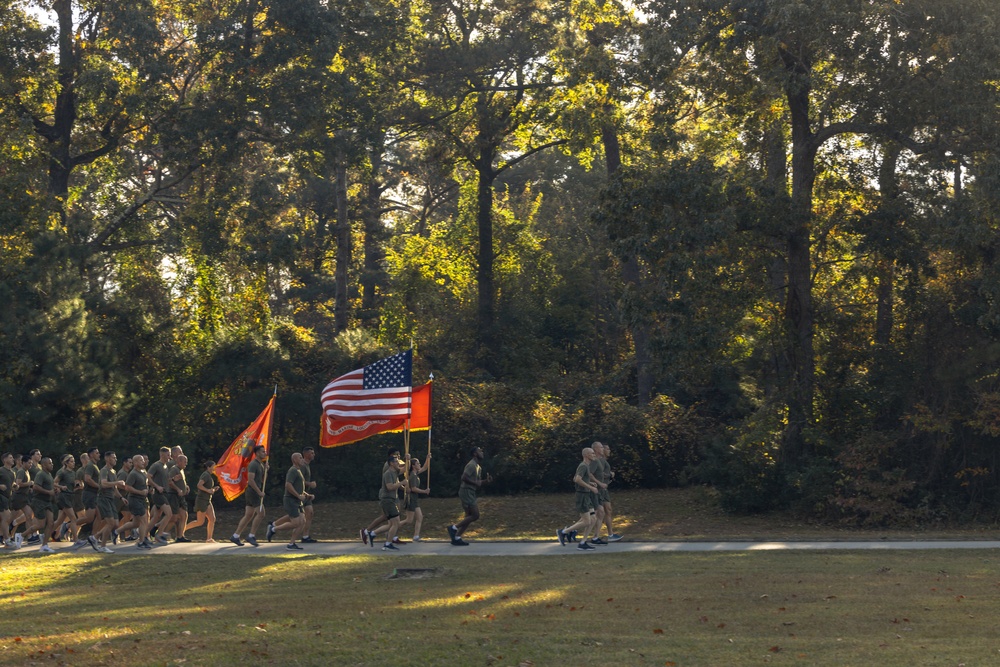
{"x": 378, "y": 391}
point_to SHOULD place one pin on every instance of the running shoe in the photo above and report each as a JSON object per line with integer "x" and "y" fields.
{"x": 18, "y": 540}
{"x": 236, "y": 540}
{"x": 143, "y": 545}
{"x": 364, "y": 536}
{"x": 614, "y": 537}
{"x": 308, "y": 540}
{"x": 390, "y": 547}
{"x": 105, "y": 550}
{"x": 416, "y": 538}
{"x": 459, "y": 542}
{"x": 252, "y": 541}
{"x": 46, "y": 549}
{"x": 114, "y": 536}
{"x": 293, "y": 547}
{"x": 163, "y": 539}
{"x": 599, "y": 541}
{"x": 63, "y": 530}
{"x": 452, "y": 532}
{"x": 561, "y": 534}
{"x": 583, "y": 546}
{"x": 396, "y": 540}
{"x": 34, "y": 539}
{"x": 182, "y": 539}
{"x": 270, "y": 531}
{"x": 93, "y": 542}
{"x": 572, "y": 536}
{"x": 371, "y": 538}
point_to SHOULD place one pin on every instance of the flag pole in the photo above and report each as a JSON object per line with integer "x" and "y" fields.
{"x": 267, "y": 466}
{"x": 430, "y": 425}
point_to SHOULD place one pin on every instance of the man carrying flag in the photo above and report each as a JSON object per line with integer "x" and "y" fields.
{"x": 254, "y": 512}
{"x": 232, "y": 466}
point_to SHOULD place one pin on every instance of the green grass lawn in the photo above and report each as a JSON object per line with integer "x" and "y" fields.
{"x": 780, "y": 608}
{"x": 718, "y": 609}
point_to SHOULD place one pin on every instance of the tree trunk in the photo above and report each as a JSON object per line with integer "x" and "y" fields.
{"x": 61, "y": 136}
{"x": 633, "y": 278}
{"x": 341, "y": 300}
{"x": 374, "y": 237}
{"x": 798, "y": 298}
{"x": 484, "y": 273}
{"x": 885, "y": 269}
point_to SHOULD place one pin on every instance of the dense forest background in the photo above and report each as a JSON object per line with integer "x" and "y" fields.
{"x": 747, "y": 243}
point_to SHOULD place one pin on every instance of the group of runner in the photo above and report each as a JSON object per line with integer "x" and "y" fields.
{"x": 147, "y": 503}
{"x": 593, "y": 502}
{"x": 135, "y": 502}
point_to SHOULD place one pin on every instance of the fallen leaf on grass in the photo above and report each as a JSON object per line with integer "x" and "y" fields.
{"x": 658, "y": 631}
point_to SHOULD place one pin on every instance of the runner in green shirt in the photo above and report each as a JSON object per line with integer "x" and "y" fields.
{"x": 295, "y": 496}
{"x": 388, "y": 495}
{"x": 107, "y": 504}
{"x": 203, "y": 507}
{"x": 586, "y": 489}
{"x": 20, "y": 501}
{"x": 43, "y": 503}
{"x": 177, "y": 494}
{"x": 472, "y": 481}
{"x": 7, "y": 477}
{"x": 158, "y": 474}
{"x": 254, "y": 512}
{"x": 137, "y": 490}
{"x": 65, "y": 479}
{"x": 606, "y": 476}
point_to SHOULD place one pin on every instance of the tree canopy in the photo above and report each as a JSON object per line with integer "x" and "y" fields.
{"x": 749, "y": 244}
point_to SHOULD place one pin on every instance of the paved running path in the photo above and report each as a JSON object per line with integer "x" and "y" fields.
{"x": 484, "y": 548}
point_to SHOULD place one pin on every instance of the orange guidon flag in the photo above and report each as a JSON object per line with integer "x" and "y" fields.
{"x": 231, "y": 469}
{"x": 337, "y": 432}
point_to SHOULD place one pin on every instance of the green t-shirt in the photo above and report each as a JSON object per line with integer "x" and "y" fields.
{"x": 414, "y": 479}
{"x": 255, "y": 471}
{"x": 390, "y": 476}
{"x": 583, "y": 472}
{"x": 66, "y": 477}
{"x": 23, "y": 477}
{"x": 158, "y": 475}
{"x": 207, "y": 480}
{"x": 181, "y": 484}
{"x": 297, "y": 480}
{"x": 472, "y": 471}
{"x": 7, "y": 478}
{"x": 91, "y": 470}
{"x": 605, "y": 470}
{"x": 137, "y": 480}
{"x": 108, "y": 475}
{"x": 44, "y": 480}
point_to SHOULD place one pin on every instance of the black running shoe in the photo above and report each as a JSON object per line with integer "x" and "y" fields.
{"x": 562, "y": 537}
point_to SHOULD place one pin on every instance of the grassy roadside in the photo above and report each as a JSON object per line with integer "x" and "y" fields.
{"x": 776, "y": 608}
